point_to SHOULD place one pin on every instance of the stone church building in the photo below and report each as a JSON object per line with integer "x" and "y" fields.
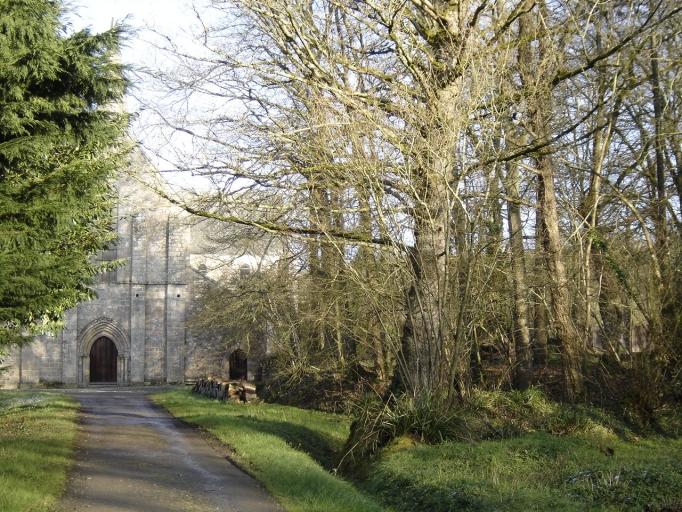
{"x": 135, "y": 331}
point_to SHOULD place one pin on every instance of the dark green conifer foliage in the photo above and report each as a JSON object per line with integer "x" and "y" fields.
{"x": 61, "y": 140}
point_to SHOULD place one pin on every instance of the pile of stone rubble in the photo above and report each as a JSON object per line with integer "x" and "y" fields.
{"x": 238, "y": 391}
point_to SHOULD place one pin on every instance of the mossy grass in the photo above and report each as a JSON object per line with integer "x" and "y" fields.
{"x": 519, "y": 451}
{"x": 487, "y": 415}
{"x": 535, "y": 471}
{"x": 37, "y": 433}
{"x": 290, "y": 451}
{"x": 512, "y": 451}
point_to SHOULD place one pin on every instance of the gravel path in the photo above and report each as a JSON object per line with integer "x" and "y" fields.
{"x": 131, "y": 455}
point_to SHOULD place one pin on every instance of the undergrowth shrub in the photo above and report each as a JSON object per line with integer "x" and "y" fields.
{"x": 306, "y": 386}
{"x": 487, "y": 415}
{"x": 568, "y": 421}
{"x": 669, "y": 421}
{"x": 641, "y": 387}
{"x": 426, "y": 419}
{"x": 512, "y": 406}
{"x": 668, "y": 505}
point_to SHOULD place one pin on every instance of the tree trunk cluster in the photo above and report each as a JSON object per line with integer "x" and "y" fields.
{"x": 443, "y": 176}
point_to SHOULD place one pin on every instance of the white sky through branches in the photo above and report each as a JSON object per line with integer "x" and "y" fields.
{"x": 169, "y": 17}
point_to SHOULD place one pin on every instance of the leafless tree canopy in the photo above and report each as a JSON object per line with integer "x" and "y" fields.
{"x": 448, "y": 175}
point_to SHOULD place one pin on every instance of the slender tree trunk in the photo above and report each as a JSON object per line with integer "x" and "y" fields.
{"x": 540, "y": 338}
{"x": 663, "y": 330}
{"x": 660, "y": 221}
{"x": 539, "y": 93}
{"x": 540, "y": 335}
{"x": 568, "y": 336}
{"x": 591, "y": 210}
{"x": 523, "y": 375}
{"x": 379, "y": 358}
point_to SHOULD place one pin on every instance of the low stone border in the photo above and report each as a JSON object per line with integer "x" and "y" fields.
{"x": 238, "y": 391}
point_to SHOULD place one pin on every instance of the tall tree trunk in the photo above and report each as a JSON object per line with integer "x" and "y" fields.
{"x": 523, "y": 375}
{"x": 539, "y": 94}
{"x": 540, "y": 334}
{"x": 427, "y": 298}
{"x": 569, "y": 338}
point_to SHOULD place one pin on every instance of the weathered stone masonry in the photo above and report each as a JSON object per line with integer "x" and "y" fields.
{"x": 141, "y": 308}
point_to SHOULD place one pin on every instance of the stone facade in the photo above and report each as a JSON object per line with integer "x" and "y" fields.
{"x": 141, "y": 307}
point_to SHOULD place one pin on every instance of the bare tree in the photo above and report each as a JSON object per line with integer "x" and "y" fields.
{"x": 379, "y": 131}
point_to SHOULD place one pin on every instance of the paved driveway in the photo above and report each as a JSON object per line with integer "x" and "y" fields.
{"x": 133, "y": 456}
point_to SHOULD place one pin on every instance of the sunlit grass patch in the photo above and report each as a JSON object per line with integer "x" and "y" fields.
{"x": 535, "y": 471}
{"x": 37, "y": 432}
{"x": 290, "y": 450}
{"x": 559, "y": 457}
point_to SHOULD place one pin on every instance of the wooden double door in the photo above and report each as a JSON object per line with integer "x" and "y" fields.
{"x": 103, "y": 360}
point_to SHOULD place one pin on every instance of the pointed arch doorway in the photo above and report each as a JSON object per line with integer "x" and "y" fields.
{"x": 103, "y": 361}
{"x": 103, "y": 327}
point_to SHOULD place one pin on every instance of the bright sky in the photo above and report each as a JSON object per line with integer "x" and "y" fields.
{"x": 169, "y": 16}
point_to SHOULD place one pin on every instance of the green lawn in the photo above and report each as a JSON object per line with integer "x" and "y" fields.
{"x": 287, "y": 449}
{"x": 37, "y": 432}
{"x": 536, "y": 471}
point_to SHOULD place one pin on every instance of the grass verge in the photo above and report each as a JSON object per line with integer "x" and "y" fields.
{"x": 288, "y": 450}
{"x": 537, "y": 456}
{"x": 535, "y": 471}
{"x": 37, "y": 432}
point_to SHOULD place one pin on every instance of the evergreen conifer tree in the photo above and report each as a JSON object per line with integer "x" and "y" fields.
{"x": 59, "y": 148}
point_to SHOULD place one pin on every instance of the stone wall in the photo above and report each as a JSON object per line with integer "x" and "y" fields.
{"x": 142, "y": 307}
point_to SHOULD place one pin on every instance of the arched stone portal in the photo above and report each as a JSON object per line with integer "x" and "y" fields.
{"x": 92, "y": 333}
